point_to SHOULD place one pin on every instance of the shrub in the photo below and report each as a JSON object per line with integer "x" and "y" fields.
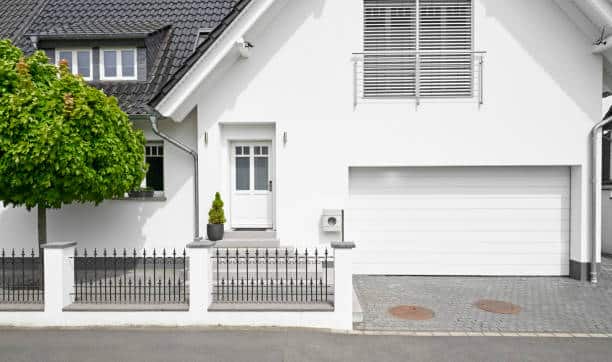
{"x": 216, "y": 215}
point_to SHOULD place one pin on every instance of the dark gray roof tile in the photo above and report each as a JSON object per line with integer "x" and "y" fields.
{"x": 182, "y": 20}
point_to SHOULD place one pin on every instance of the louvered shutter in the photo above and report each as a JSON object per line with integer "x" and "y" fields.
{"x": 389, "y": 27}
{"x": 390, "y": 44}
{"x": 445, "y": 26}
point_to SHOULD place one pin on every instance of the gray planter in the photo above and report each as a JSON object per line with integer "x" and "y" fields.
{"x": 214, "y": 232}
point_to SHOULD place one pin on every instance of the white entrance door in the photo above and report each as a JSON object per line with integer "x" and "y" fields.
{"x": 251, "y": 178}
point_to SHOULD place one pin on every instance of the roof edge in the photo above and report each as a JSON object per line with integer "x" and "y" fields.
{"x": 168, "y": 92}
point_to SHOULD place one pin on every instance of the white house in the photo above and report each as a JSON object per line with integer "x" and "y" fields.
{"x": 454, "y": 134}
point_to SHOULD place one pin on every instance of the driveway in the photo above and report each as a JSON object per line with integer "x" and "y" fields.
{"x": 548, "y": 304}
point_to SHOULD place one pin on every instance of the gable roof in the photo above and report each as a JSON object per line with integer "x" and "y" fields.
{"x": 178, "y": 21}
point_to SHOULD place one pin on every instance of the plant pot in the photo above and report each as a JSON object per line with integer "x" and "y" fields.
{"x": 141, "y": 193}
{"x": 214, "y": 232}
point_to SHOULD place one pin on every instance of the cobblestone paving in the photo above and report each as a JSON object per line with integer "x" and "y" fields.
{"x": 549, "y": 304}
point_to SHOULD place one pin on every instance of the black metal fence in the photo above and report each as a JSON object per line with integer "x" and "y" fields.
{"x": 130, "y": 277}
{"x": 245, "y": 275}
{"x": 22, "y": 277}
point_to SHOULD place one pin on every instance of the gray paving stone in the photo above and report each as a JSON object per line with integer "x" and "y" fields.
{"x": 549, "y": 304}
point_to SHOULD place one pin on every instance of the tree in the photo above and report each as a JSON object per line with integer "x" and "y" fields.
{"x": 61, "y": 140}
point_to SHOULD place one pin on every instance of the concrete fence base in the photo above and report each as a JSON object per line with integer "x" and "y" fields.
{"x": 58, "y": 310}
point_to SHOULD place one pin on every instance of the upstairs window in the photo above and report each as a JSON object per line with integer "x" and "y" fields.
{"x": 79, "y": 61}
{"x": 118, "y": 64}
{"x": 418, "y": 49}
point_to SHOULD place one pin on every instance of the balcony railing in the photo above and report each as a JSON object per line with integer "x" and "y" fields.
{"x": 418, "y": 75}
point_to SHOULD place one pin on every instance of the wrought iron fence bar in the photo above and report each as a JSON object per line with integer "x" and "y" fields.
{"x": 235, "y": 282}
{"x": 128, "y": 278}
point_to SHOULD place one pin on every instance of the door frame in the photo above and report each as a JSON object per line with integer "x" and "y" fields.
{"x": 231, "y": 143}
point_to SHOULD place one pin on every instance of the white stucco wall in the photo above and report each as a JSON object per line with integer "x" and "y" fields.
{"x": 120, "y": 223}
{"x": 542, "y": 94}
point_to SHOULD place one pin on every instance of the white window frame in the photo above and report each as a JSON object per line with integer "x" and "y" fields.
{"x": 74, "y": 60}
{"x": 119, "y": 64}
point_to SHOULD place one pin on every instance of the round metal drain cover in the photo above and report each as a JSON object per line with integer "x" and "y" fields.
{"x": 498, "y": 306}
{"x": 411, "y": 312}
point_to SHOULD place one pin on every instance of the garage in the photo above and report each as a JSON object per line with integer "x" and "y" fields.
{"x": 459, "y": 220}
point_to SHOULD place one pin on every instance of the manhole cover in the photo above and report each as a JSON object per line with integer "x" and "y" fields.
{"x": 498, "y": 306}
{"x": 411, "y": 312}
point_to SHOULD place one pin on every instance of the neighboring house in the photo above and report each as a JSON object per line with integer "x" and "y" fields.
{"x": 454, "y": 134}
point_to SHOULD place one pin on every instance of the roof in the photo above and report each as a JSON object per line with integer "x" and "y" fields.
{"x": 102, "y": 30}
{"x": 179, "y": 20}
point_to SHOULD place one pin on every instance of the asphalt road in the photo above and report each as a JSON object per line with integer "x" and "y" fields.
{"x": 187, "y": 344}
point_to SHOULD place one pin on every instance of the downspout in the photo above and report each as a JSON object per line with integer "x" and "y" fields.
{"x": 194, "y": 155}
{"x": 596, "y": 140}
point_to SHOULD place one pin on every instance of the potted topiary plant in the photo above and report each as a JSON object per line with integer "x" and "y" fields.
{"x": 216, "y": 219}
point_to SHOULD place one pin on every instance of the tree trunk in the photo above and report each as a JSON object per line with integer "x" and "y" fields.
{"x": 42, "y": 231}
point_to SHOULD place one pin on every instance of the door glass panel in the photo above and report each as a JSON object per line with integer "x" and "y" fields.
{"x": 238, "y": 150}
{"x": 243, "y": 170}
{"x": 264, "y": 150}
{"x": 261, "y": 173}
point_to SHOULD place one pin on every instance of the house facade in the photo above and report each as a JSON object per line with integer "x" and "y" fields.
{"x": 443, "y": 137}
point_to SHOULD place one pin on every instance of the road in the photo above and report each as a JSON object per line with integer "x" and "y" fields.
{"x": 192, "y": 344}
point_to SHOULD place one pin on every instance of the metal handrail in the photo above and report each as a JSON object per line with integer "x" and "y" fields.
{"x": 418, "y": 76}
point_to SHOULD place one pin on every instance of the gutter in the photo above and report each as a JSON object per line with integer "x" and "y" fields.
{"x": 194, "y": 154}
{"x": 596, "y": 139}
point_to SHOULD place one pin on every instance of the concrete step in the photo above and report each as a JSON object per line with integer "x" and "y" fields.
{"x": 249, "y": 239}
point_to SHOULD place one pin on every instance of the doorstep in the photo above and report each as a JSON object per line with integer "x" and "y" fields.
{"x": 127, "y": 308}
{"x": 249, "y": 239}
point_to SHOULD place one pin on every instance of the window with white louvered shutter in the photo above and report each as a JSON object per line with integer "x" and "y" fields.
{"x": 417, "y": 48}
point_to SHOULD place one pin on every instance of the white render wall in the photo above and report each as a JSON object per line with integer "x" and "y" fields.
{"x": 542, "y": 94}
{"x": 120, "y": 223}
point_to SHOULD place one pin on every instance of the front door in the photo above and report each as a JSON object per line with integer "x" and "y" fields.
{"x": 251, "y": 178}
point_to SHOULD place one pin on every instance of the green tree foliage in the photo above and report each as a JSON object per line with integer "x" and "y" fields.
{"x": 61, "y": 140}
{"x": 216, "y": 214}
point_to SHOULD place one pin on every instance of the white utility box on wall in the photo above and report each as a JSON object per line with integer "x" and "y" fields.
{"x": 331, "y": 220}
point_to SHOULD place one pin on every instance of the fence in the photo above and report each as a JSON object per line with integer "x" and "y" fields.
{"x": 22, "y": 279}
{"x": 130, "y": 277}
{"x": 113, "y": 288}
{"x": 272, "y": 276}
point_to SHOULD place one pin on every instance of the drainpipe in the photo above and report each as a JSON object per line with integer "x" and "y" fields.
{"x": 194, "y": 155}
{"x": 596, "y": 140}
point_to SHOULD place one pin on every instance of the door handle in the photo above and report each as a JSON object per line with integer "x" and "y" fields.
{"x": 270, "y": 185}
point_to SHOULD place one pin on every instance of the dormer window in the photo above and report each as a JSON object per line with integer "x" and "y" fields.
{"x": 79, "y": 61}
{"x": 118, "y": 64}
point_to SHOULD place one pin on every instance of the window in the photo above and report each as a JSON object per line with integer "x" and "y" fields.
{"x": 418, "y": 48}
{"x": 118, "y": 64}
{"x": 154, "y": 155}
{"x": 79, "y": 61}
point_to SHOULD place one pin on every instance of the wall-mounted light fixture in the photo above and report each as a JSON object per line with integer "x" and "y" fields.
{"x": 285, "y": 138}
{"x": 206, "y": 138}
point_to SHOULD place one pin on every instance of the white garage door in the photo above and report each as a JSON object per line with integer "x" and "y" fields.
{"x": 460, "y": 220}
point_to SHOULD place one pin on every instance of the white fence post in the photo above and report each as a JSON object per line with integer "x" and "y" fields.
{"x": 59, "y": 275}
{"x": 343, "y": 283}
{"x": 200, "y": 276}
